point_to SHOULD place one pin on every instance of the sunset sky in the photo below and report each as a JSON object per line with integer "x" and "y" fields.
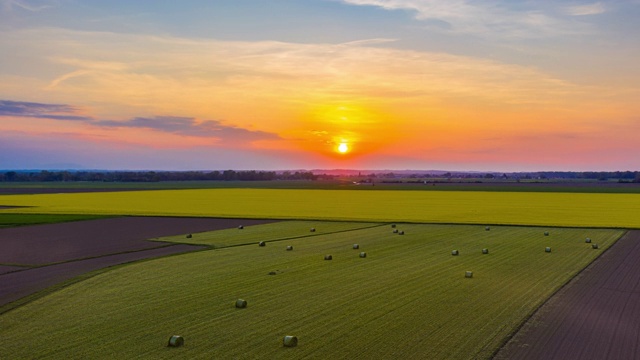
{"x": 281, "y": 84}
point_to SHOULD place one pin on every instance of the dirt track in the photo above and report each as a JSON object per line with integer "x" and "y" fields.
{"x": 63, "y": 251}
{"x": 596, "y": 316}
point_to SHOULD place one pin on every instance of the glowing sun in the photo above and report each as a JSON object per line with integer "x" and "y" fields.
{"x": 343, "y": 148}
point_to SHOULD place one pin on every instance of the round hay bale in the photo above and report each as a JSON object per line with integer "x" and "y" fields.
{"x": 363, "y": 254}
{"x": 468, "y": 274}
{"x": 547, "y": 249}
{"x": 594, "y": 246}
{"x": 401, "y": 232}
{"x": 289, "y": 247}
{"x": 272, "y": 272}
{"x": 393, "y": 225}
{"x": 313, "y": 230}
{"x": 240, "y": 227}
{"x": 176, "y": 341}
{"x": 546, "y": 233}
{"x": 587, "y": 240}
{"x": 290, "y": 341}
{"x": 395, "y": 231}
{"x": 485, "y": 251}
{"x": 262, "y": 243}
{"x": 455, "y": 253}
{"x": 328, "y": 257}
{"x": 356, "y": 246}
{"x": 241, "y": 304}
{"x": 487, "y": 228}
{"x": 189, "y": 236}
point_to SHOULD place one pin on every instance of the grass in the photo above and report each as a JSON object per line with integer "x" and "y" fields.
{"x": 267, "y": 233}
{"x": 408, "y": 299}
{"x": 513, "y": 208}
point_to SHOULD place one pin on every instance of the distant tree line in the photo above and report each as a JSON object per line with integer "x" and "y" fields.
{"x": 622, "y": 176}
{"x": 254, "y": 175}
{"x": 152, "y": 176}
{"x": 592, "y": 175}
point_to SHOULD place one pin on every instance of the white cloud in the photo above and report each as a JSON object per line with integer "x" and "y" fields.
{"x": 488, "y": 18}
{"x": 589, "y": 9}
{"x": 152, "y": 71}
{"x": 34, "y": 6}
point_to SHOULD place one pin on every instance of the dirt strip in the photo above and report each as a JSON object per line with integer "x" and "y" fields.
{"x": 596, "y": 316}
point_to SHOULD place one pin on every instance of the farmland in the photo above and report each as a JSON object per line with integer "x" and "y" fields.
{"x": 512, "y": 208}
{"x": 595, "y": 316}
{"x": 407, "y": 298}
{"x": 11, "y": 220}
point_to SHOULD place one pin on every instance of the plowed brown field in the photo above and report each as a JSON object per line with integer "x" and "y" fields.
{"x": 36, "y": 257}
{"x": 596, "y": 316}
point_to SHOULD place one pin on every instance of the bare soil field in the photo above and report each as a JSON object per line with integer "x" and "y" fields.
{"x": 596, "y": 316}
{"x": 54, "y": 243}
{"x": 36, "y": 257}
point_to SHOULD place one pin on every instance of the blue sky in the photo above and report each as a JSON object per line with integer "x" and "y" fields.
{"x": 421, "y": 84}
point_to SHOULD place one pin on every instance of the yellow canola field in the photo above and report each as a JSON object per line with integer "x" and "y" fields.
{"x": 464, "y": 207}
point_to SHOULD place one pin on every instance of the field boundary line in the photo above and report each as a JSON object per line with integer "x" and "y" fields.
{"x": 82, "y": 277}
{"x": 101, "y": 256}
{"x": 19, "y": 265}
{"x": 213, "y": 247}
{"x": 311, "y": 218}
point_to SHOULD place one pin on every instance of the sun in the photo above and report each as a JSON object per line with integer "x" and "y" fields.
{"x": 343, "y": 148}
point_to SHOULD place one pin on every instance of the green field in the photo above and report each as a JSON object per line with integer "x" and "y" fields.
{"x": 513, "y": 208}
{"x": 408, "y": 298}
{"x": 278, "y": 231}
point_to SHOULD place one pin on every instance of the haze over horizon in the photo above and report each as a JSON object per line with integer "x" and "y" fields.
{"x": 501, "y": 86}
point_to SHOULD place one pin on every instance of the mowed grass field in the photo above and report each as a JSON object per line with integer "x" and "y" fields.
{"x": 515, "y": 208}
{"x": 408, "y": 298}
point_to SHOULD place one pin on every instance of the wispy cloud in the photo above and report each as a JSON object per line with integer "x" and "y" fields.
{"x": 8, "y": 5}
{"x": 185, "y": 126}
{"x": 189, "y": 127}
{"x": 272, "y": 94}
{"x": 588, "y": 9}
{"x": 151, "y": 71}
{"x": 491, "y": 18}
{"x": 40, "y": 111}
{"x": 251, "y": 85}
